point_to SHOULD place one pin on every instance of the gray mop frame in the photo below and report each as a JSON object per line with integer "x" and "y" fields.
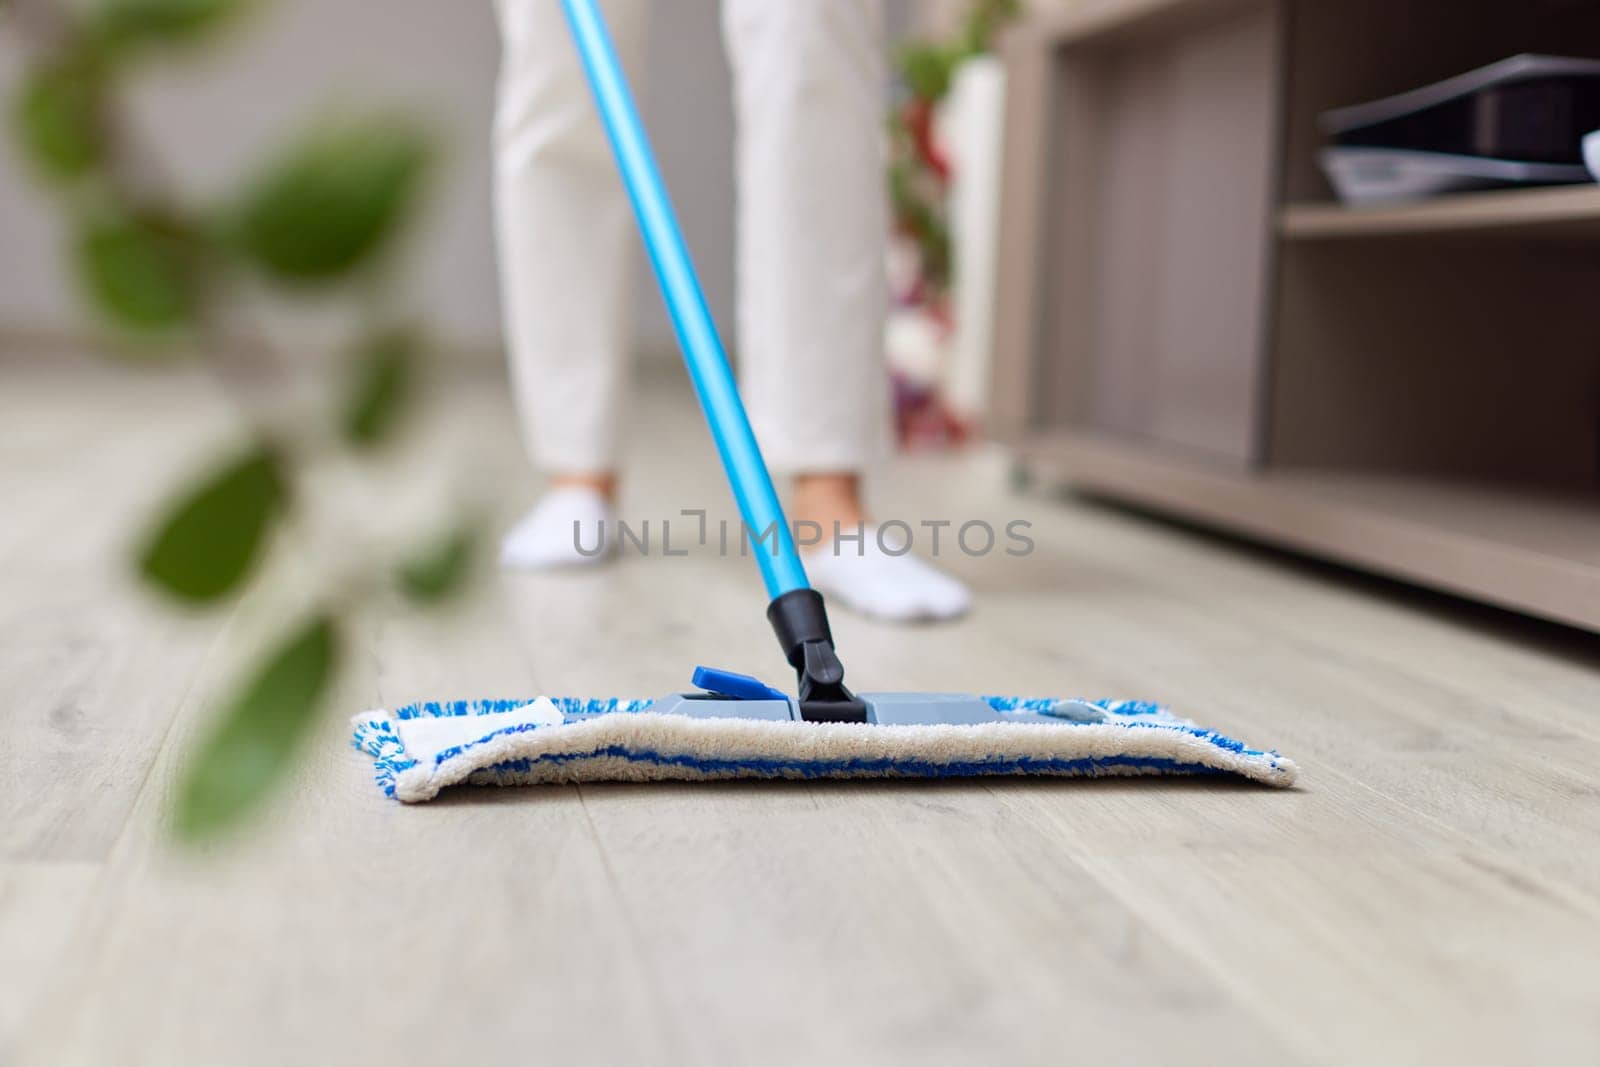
{"x": 883, "y": 709}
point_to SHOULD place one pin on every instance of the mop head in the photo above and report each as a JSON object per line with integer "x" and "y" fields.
{"x": 421, "y": 749}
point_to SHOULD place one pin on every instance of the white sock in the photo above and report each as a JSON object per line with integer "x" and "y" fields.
{"x": 898, "y": 588}
{"x": 544, "y": 537}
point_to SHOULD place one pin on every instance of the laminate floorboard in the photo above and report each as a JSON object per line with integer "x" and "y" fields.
{"x": 1428, "y": 895}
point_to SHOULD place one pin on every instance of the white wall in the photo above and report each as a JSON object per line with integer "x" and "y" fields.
{"x": 209, "y": 115}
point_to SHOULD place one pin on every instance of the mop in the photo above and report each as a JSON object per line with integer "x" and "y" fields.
{"x": 733, "y": 725}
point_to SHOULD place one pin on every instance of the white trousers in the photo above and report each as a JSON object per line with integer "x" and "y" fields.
{"x": 808, "y": 92}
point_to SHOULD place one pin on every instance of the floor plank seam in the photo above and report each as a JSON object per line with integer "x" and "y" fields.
{"x": 635, "y": 931}
{"x": 1238, "y": 994}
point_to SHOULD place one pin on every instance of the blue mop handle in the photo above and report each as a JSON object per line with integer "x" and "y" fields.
{"x": 691, "y": 319}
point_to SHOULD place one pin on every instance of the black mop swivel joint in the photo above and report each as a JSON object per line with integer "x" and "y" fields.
{"x": 800, "y": 619}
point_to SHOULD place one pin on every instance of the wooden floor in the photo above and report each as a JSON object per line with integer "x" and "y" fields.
{"x": 1429, "y": 895}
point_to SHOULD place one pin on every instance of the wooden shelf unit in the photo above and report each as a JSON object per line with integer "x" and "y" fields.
{"x": 1189, "y": 322}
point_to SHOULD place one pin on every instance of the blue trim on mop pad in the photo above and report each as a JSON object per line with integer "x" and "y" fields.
{"x": 423, "y": 748}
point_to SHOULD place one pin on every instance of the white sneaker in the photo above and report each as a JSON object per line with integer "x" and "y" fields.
{"x": 572, "y": 526}
{"x": 895, "y": 588}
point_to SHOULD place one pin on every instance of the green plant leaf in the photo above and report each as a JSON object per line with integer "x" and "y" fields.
{"x": 141, "y": 271}
{"x": 440, "y": 570}
{"x": 257, "y": 733}
{"x": 916, "y": 215}
{"x": 383, "y": 386}
{"x": 56, "y": 117}
{"x": 213, "y": 533}
{"x": 927, "y": 69}
{"x": 162, "y": 21}
{"x": 983, "y": 21}
{"x": 333, "y": 200}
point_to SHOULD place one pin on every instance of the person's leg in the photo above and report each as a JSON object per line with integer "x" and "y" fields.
{"x": 813, "y": 222}
{"x": 564, "y": 232}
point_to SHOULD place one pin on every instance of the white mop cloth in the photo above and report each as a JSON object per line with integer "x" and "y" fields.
{"x": 421, "y": 749}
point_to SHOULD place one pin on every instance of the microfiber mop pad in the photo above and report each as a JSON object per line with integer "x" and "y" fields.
{"x": 421, "y": 749}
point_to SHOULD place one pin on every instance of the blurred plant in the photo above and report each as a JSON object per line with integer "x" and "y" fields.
{"x": 919, "y": 175}
{"x": 921, "y": 261}
{"x": 167, "y": 276}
